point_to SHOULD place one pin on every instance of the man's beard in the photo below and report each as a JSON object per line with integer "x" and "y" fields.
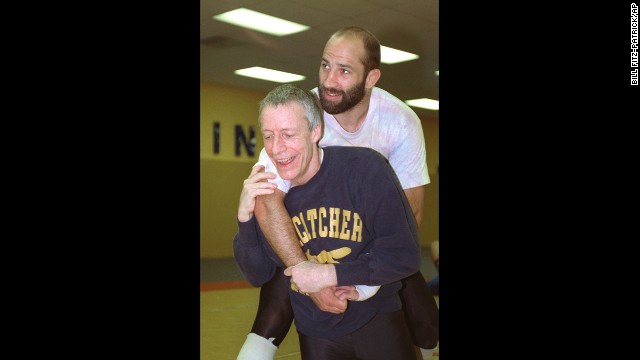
{"x": 350, "y": 98}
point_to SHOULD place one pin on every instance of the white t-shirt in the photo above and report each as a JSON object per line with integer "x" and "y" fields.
{"x": 391, "y": 128}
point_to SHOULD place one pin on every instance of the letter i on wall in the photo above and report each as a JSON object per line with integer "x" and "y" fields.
{"x": 216, "y": 137}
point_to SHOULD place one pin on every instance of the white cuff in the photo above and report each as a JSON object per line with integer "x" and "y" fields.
{"x": 427, "y": 354}
{"x": 366, "y": 292}
{"x": 257, "y": 348}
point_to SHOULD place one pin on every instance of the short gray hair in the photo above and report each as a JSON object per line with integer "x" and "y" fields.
{"x": 287, "y": 93}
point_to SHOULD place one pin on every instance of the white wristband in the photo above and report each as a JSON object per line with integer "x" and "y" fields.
{"x": 366, "y": 292}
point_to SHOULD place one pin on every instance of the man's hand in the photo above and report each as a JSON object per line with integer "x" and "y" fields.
{"x": 256, "y": 184}
{"x": 346, "y": 292}
{"x": 327, "y": 300}
{"x": 311, "y": 277}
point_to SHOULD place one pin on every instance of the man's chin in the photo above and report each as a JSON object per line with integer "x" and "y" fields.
{"x": 330, "y": 107}
{"x": 285, "y": 174}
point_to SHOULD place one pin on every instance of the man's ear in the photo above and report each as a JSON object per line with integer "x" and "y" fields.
{"x": 316, "y": 133}
{"x": 372, "y": 78}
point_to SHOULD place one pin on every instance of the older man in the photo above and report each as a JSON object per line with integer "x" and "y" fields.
{"x": 353, "y": 221}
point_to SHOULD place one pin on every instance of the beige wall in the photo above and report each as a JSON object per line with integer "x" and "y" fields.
{"x": 430, "y": 229}
{"x": 222, "y": 174}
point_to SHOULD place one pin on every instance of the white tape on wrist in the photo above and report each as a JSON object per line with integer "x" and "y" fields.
{"x": 366, "y": 292}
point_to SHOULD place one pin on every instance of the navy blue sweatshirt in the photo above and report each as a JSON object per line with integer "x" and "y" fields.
{"x": 353, "y": 213}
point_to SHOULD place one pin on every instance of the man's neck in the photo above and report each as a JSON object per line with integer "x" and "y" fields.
{"x": 352, "y": 119}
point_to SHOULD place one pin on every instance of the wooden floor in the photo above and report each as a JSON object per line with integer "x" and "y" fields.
{"x": 228, "y": 305}
{"x": 225, "y": 319}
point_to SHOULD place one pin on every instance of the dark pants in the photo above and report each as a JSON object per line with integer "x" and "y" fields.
{"x": 385, "y": 337}
{"x": 434, "y": 285}
{"x": 275, "y": 314}
{"x": 421, "y": 311}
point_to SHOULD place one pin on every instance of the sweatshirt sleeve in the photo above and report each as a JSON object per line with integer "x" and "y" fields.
{"x": 250, "y": 255}
{"x": 395, "y": 249}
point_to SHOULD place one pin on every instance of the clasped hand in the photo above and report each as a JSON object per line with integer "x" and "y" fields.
{"x": 334, "y": 299}
{"x": 310, "y": 276}
{"x": 255, "y": 185}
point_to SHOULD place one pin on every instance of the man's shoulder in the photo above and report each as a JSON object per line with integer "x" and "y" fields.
{"x": 389, "y": 106}
{"x": 385, "y": 96}
{"x": 356, "y": 162}
{"x": 354, "y": 153}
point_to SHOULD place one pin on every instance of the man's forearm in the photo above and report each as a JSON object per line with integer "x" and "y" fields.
{"x": 276, "y": 225}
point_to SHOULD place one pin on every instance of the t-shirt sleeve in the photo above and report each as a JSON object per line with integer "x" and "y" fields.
{"x": 408, "y": 157}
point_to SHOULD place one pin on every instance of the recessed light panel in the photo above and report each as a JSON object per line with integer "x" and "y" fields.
{"x": 260, "y": 22}
{"x": 393, "y": 56}
{"x": 269, "y": 75}
{"x": 424, "y": 103}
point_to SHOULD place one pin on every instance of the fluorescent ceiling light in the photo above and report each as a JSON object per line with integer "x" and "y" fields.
{"x": 393, "y": 56}
{"x": 424, "y": 103}
{"x": 268, "y": 74}
{"x": 260, "y": 22}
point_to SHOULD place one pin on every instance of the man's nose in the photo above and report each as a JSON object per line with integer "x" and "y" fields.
{"x": 331, "y": 80}
{"x": 278, "y": 145}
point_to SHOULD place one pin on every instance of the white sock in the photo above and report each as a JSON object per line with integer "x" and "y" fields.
{"x": 427, "y": 353}
{"x": 257, "y": 348}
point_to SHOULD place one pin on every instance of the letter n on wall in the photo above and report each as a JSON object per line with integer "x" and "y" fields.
{"x": 241, "y": 139}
